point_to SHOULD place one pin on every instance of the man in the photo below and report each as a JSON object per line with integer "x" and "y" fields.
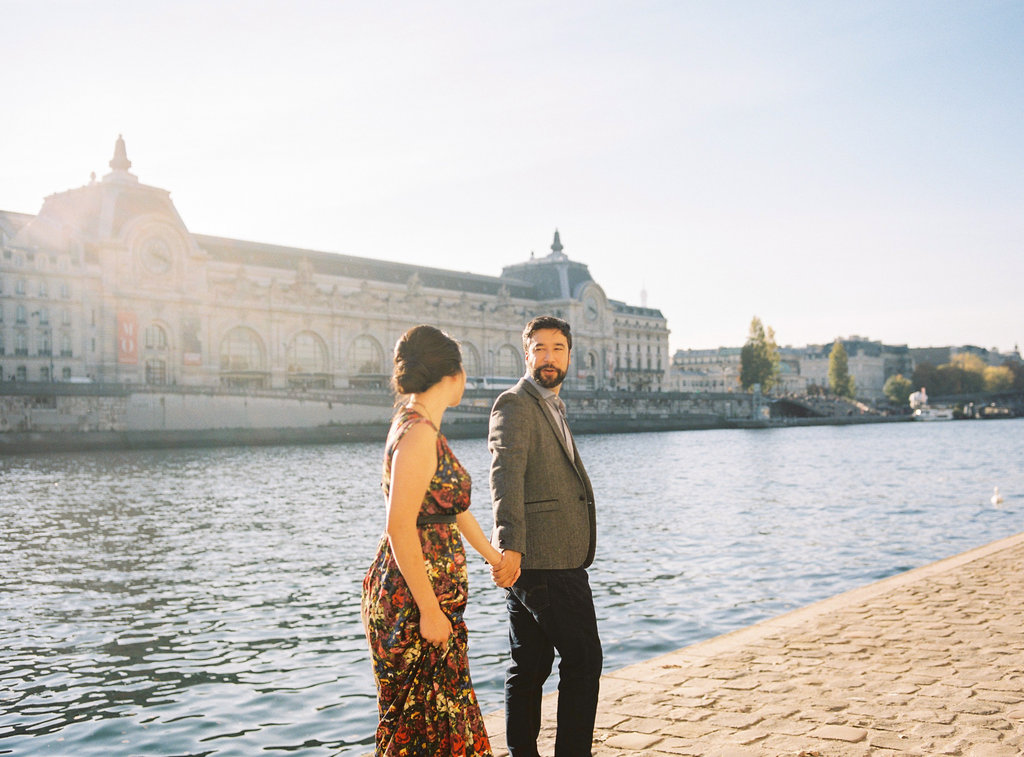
{"x": 545, "y": 526}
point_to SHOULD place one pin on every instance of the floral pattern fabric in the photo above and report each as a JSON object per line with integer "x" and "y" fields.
{"x": 425, "y": 697}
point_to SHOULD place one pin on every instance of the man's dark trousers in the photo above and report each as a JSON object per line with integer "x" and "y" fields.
{"x": 549, "y": 610}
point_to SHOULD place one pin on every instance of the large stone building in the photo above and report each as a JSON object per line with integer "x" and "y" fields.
{"x": 801, "y": 369}
{"x": 870, "y": 362}
{"x": 107, "y": 284}
{"x": 712, "y": 370}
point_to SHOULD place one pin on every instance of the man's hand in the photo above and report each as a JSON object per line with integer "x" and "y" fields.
{"x": 507, "y": 572}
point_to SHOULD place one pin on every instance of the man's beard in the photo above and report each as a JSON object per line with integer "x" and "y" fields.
{"x": 548, "y": 383}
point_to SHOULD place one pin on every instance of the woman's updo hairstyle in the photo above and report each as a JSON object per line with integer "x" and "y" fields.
{"x": 423, "y": 356}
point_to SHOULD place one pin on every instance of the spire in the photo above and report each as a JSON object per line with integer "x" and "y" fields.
{"x": 556, "y": 246}
{"x": 120, "y": 160}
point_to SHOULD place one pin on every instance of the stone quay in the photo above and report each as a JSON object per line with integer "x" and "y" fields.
{"x": 926, "y": 662}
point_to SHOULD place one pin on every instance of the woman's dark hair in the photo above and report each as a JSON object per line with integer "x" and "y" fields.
{"x": 423, "y": 356}
{"x": 546, "y": 322}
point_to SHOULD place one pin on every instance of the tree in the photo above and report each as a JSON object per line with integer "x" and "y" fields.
{"x": 927, "y": 375}
{"x": 759, "y": 358}
{"x": 968, "y": 362}
{"x": 1017, "y": 369}
{"x": 839, "y": 379}
{"x": 955, "y": 379}
{"x": 998, "y": 379}
{"x": 898, "y": 388}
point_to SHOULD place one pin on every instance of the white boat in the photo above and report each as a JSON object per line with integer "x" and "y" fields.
{"x": 928, "y": 413}
{"x": 925, "y": 412}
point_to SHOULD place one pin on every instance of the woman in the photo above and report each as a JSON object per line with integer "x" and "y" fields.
{"x": 414, "y": 594}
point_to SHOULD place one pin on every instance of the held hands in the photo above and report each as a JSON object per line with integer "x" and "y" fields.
{"x": 507, "y": 571}
{"x": 435, "y": 628}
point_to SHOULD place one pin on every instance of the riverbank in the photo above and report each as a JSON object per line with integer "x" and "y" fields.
{"x": 926, "y": 662}
{"x": 61, "y": 417}
{"x": 16, "y": 442}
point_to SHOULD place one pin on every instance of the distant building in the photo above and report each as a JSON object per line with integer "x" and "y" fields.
{"x": 107, "y": 283}
{"x": 801, "y": 369}
{"x": 871, "y": 363}
{"x": 711, "y": 370}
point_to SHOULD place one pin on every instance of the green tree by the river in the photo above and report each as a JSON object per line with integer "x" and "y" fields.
{"x": 759, "y": 358}
{"x": 839, "y": 379}
{"x": 898, "y": 389}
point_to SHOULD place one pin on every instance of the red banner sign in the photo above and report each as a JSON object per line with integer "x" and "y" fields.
{"x": 127, "y": 338}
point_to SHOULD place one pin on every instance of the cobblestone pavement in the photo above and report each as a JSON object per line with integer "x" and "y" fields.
{"x": 928, "y": 662}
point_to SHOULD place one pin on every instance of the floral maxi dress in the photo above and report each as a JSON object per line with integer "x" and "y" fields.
{"x": 425, "y": 697}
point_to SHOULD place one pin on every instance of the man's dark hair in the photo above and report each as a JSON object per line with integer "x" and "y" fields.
{"x": 546, "y": 322}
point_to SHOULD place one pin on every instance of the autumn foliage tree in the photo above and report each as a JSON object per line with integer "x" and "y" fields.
{"x": 967, "y": 374}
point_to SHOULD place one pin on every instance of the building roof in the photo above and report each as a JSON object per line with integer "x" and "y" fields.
{"x": 102, "y": 211}
{"x": 335, "y": 264}
{"x": 621, "y": 307}
{"x": 554, "y": 276}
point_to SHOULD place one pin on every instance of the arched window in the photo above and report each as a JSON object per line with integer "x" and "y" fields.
{"x": 241, "y": 350}
{"x": 242, "y": 359}
{"x": 508, "y": 362}
{"x": 156, "y": 337}
{"x": 365, "y": 356}
{"x": 307, "y": 354}
{"x": 307, "y": 361}
{"x": 471, "y": 360}
{"x": 590, "y": 364}
{"x": 366, "y": 362}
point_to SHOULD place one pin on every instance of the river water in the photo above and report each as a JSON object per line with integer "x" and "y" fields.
{"x": 206, "y": 601}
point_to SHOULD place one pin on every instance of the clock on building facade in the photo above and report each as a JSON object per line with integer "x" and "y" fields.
{"x": 155, "y": 253}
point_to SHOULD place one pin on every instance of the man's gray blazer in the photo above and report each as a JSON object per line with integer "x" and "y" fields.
{"x": 542, "y": 498}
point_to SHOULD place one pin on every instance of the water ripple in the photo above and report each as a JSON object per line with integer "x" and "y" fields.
{"x": 206, "y": 602}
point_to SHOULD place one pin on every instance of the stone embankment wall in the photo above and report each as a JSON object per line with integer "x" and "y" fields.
{"x": 63, "y": 417}
{"x": 172, "y": 411}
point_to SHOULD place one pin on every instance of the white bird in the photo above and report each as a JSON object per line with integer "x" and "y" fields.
{"x": 997, "y": 498}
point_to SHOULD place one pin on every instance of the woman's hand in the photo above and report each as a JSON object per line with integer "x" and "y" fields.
{"x": 507, "y": 572}
{"x": 435, "y": 628}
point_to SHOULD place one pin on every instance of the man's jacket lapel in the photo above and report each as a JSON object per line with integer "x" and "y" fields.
{"x": 543, "y": 404}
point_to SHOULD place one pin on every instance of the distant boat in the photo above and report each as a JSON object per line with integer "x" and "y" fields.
{"x": 928, "y": 413}
{"x": 925, "y": 412}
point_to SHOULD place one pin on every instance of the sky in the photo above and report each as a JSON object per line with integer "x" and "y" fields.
{"x": 833, "y": 168}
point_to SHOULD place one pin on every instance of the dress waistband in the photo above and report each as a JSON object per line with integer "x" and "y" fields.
{"x": 426, "y": 520}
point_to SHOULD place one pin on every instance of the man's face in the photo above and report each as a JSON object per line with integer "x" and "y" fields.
{"x": 547, "y": 357}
